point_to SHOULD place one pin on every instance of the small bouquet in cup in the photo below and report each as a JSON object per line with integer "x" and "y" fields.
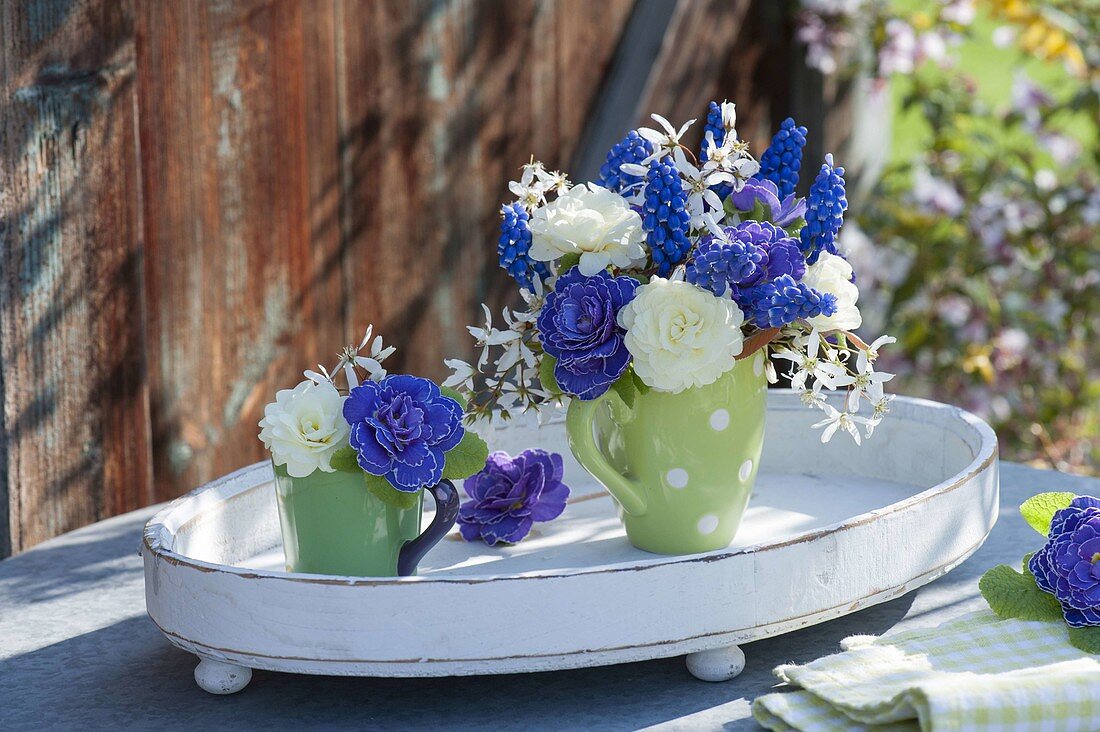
{"x": 668, "y": 270}
{"x": 354, "y": 451}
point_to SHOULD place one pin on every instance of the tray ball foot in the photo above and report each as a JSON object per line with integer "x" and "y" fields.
{"x": 221, "y": 678}
{"x": 719, "y": 664}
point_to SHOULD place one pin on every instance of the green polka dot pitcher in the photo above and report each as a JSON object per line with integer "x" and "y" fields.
{"x": 680, "y": 466}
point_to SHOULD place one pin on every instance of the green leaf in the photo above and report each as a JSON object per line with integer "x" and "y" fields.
{"x": 626, "y": 390}
{"x": 381, "y": 489}
{"x": 449, "y": 392}
{"x": 345, "y": 460}
{"x": 642, "y": 387}
{"x": 1039, "y": 510}
{"x": 1086, "y": 639}
{"x": 546, "y": 373}
{"x": 1014, "y": 595}
{"x": 467, "y": 457}
{"x": 760, "y": 212}
{"x": 568, "y": 262}
{"x": 729, "y": 209}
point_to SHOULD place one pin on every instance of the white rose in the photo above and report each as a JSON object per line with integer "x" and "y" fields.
{"x": 590, "y": 221}
{"x": 833, "y": 275}
{"x": 680, "y": 335}
{"x": 304, "y": 426}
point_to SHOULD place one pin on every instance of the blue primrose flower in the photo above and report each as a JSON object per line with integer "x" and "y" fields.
{"x": 1068, "y": 565}
{"x": 510, "y": 494}
{"x": 756, "y": 252}
{"x": 401, "y": 427}
{"x": 781, "y": 213}
{"x": 578, "y": 327}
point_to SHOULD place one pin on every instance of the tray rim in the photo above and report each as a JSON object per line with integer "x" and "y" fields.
{"x": 155, "y": 531}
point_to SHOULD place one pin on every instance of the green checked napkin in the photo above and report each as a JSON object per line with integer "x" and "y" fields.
{"x": 978, "y": 672}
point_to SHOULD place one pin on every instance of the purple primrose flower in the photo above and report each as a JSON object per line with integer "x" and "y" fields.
{"x": 1068, "y": 565}
{"x": 510, "y": 494}
{"x": 578, "y": 327}
{"x": 782, "y": 213}
{"x": 401, "y": 427}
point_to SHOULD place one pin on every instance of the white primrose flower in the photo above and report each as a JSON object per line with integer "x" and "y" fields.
{"x": 835, "y": 420}
{"x": 680, "y": 335}
{"x": 868, "y": 357}
{"x": 304, "y": 426}
{"x": 664, "y": 143}
{"x": 590, "y": 221}
{"x": 833, "y": 275}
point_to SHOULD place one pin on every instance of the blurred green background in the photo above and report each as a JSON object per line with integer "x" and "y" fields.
{"x": 985, "y": 260}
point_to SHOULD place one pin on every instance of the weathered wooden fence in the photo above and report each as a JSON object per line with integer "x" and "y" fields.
{"x": 199, "y": 198}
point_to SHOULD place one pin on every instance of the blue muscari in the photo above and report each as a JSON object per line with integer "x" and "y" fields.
{"x": 784, "y": 300}
{"x": 664, "y": 215}
{"x": 513, "y": 246}
{"x": 782, "y": 160}
{"x": 631, "y": 149}
{"x": 715, "y": 127}
{"x": 825, "y": 208}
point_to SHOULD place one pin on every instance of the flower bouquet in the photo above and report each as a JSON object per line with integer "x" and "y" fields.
{"x": 352, "y": 464}
{"x": 654, "y": 297}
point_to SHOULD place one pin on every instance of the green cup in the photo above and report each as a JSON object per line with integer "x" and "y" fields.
{"x": 332, "y": 524}
{"x": 680, "y": 466}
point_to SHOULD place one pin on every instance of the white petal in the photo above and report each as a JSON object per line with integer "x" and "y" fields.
{"x": 664, "y": 123}
{"x": 349, "y": 374}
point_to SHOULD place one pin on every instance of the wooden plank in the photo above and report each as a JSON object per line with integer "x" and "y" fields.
{"x": 74, "y": 402}
{"x": 240, "y": 135}
{"x": 443, "y": 103}
{"x": 715, "y": 50}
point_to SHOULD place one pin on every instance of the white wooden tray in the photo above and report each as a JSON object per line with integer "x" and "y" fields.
{"x": 830, "y": 529}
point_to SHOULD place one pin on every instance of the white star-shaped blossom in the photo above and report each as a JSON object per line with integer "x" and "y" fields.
{"x": 869, "y": 383}
{"x": 729, "y": 162}
{"x": 837, "y": 420}
{"x": 701, "y": 199}
{"x": 351, "y": 357}
{"x": 806, "y": 363}
{"x": 868, "y": 357}
{"x": 462, "y": 375}
{"x": 664, "y": 143}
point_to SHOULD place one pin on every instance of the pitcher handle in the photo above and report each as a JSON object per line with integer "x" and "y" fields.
{"x": 578, "y": 424}
{"x": 446, "y": 513}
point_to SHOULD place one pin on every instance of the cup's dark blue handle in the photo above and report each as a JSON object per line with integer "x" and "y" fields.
{"x": 446, "y": 513}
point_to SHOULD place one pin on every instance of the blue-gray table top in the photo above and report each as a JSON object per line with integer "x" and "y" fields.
{"x": 78, "y": 650}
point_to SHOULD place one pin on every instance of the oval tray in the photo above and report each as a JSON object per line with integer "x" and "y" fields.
{"x": 830, "y": 529}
